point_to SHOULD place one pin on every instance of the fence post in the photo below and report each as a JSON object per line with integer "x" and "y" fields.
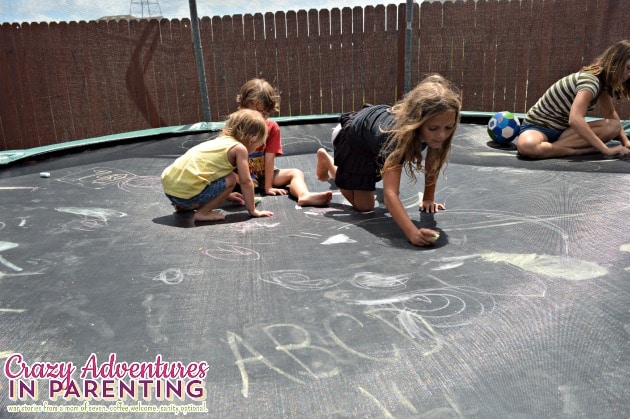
{"x": 201, "y": 72}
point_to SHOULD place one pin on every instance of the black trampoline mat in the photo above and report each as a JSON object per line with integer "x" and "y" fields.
{"x": 520, "y": 310}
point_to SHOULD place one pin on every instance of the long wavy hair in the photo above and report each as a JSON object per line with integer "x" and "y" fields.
{"x": 246, "y": 123}
{"x": 609, "y": 67}
{"x": 432, "y": 96}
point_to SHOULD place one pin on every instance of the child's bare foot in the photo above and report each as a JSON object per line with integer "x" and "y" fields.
{"x": 236, "y": 198}
{"x": 324, "y": 162}
{"x": 315, "y": 199}
{"x": 208, "y": 216}
{"x": 180, "y": 210}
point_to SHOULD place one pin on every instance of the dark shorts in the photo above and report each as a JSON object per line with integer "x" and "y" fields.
{"x": 357, "y": 168}
{"x": 210, "y": 192}
{"x": 552, "y": 134}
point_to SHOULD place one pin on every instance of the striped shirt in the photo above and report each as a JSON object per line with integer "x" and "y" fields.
{"x": 552, "y": 109}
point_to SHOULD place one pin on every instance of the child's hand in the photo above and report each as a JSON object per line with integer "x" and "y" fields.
{"x": 276, "y": 191}
{"x": 619, "y": 150}
{"x": 424, "y": 237}
{"x": 431, "y": 206}
{"x": 257, "y": 214}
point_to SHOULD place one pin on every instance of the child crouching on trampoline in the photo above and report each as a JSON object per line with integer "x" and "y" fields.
{"x": 204, "y": 176}
{"x": 379, "y": 141}
{"x": 258, "y": 94}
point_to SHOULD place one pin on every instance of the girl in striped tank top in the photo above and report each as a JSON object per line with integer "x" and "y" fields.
{"x": 556, "y": 125}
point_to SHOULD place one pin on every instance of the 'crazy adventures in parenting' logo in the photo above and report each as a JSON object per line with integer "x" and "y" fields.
{"x": 109, "y": 381}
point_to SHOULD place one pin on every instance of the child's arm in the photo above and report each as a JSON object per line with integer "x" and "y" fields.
{"x": 428, "y": 203}
{"x": 608, "y": 108}
{"x": 269, "y": 174}
{"x": 246, "y": 182}
{"x": 577, "y": 121}
{"x": 391, "y": 191}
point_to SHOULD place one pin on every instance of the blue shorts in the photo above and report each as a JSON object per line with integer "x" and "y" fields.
{"x": 210, "y": 192}
{"x": 552, "y": 134}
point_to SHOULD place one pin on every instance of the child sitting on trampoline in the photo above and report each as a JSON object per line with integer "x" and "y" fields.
{"x": 258, "y": 94}
{"x": 556, "y": 125}
{"x": 204, "y": 176}
{"x": 379, "y": 141}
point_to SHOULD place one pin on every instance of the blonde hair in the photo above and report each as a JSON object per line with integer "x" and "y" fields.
{"x": 246, "y": 123}
{"x": 609, "y": 68}
{"x": 432, "y": 96}
{"x": 259, "y": 90}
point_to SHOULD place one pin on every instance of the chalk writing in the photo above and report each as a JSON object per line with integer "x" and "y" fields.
{"x": 375, "y": 281}
{"x": 102, "y": 214}
{"x": 6, "y": 246}
{"x": 315, "y": 362}
{"x": 132, "y": 183}
{"x": 155, "y": 311}
{"x": 172, "y": 276}
{"x": 337, "y": 239}
{"x": 297, "y": 280}
{"x": 230, "y": 252}
{"x": 97, "y": 177}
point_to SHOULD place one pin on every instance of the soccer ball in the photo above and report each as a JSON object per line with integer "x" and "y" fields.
{"x": 503, "y": 127}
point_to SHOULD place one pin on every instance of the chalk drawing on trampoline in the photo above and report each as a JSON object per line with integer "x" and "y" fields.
{"x": 338, "y": 239}
{"x": 12, "y": 310}
{"x": 17, "y": 188}
{"x": 156, "y": 312}
{"x": 2, "y": 225}
{"x": 97, "y": 177}
{"x": 102, "y": 214}
{"x": 297, "y": 280}
{"x": 91, "y": 218}
{"x": 172, "y": 276}
{"x": 440, "y": 307}
{"x": 377, "y": 281}
{"x": 7, "y": 246}
{"x": 230, "y": 252}
{"x": 306, "y": 235}
{"x": 252, "y": 225}
{"x": 562, "y": 267}
{"x": 133, "y": 183}
{"x": 625, "y": 248}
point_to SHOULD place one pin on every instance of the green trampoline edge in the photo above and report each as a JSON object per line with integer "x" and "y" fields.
{"x": 12, "y": 156}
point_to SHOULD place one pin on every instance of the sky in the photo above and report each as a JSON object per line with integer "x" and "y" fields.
{"x": 75, "y": 10}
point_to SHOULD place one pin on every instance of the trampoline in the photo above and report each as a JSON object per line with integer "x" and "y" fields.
{"x": 519, "y": 310}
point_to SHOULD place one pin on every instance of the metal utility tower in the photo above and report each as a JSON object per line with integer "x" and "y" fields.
{"x": 145, "y": 8}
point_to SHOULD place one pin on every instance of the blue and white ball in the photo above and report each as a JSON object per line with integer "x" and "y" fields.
{"x": 503, "y": 127}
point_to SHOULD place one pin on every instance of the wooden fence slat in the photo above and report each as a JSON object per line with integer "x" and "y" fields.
{"x": 505, "y": 54}
{"x": 12, "y": 136}
{"x": 314, "y": 58}
{"x": 302, "y": 65}
{"x": 430, "y": 39}
{"x": 326, "y": 62}
{"x": 28, "y": 112}
{"x": 521, "y": 56}
{"x": 58, "y": 60}
{"x": 487, "y": 22}
{"x": 166, "y": 85}
{"x": 250, "y": 49}
{"x": 358, "y": 58}
{"x": 346, "y": 63}
{"x": 336, "y": 69}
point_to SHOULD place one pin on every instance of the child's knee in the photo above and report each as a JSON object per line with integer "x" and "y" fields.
{"x": 612, "y": 128}
{"x": 231, "y": 180}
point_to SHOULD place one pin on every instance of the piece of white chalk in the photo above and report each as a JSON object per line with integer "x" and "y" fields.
{"x": 44, "y": 174}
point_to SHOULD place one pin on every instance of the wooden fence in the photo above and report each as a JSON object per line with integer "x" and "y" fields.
{"x": 77, "y": 80}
